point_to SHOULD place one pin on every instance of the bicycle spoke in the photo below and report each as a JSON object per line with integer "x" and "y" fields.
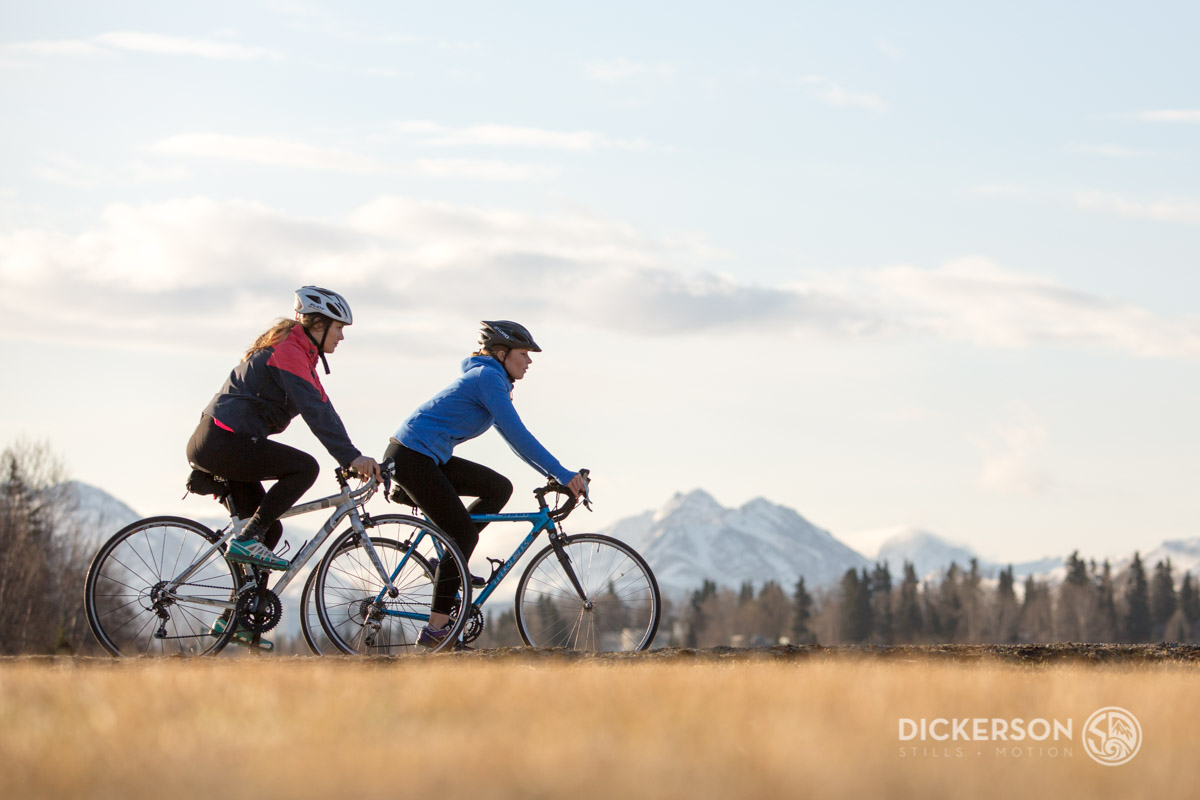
{"x": 620, "y": 607}
{"x": 355, "y": 607}
{"x": 125, "y": 600}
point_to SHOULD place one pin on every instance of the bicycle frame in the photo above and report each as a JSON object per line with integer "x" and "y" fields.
{"x": 346, "y": 503}
{"x": 540, "y": 520}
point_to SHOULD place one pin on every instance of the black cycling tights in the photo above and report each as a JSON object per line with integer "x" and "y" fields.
{"x": 436, "y": 489}
{"x": 244, "y": 461}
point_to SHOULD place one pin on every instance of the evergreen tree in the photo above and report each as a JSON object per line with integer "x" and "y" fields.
{"x": 1005, "y": 585}
{"x": 908, "y": 622}
{"x": 774, "y": 611}
{"x": 802, "y": 611}
{"x": 949, "y": 606}
{"x": 1163, "y": 600}
{"x": 854, "y": 621}
{"x": 1037, "y": 624}
{"x": 1074, "y": 614}
{"x": 1007, "y": 610}
{"x": 1137, "y": 623}
{"x": 1189, "y": 602}
{"x": 972, "y": 624}
{"x": 698, "y": 617}
{"x": 1106, "y": 607}
{"x": 881, "y": 604}
{"x": 1077, "y": 573}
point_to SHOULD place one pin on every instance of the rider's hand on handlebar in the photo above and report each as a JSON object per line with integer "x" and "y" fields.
{"x": 578, "y": 485}
{"x": 366, "y": 467}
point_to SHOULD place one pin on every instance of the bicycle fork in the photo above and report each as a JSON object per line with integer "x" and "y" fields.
{"x": 565, "y": 560}
{"x": 374, "y": 612}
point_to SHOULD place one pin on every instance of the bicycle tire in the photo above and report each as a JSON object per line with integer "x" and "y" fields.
{"x": 310, "y": 621}
{"x": 623, "y": 606}
{"x": 120, "y": 590}
{"x": 356, "y": 615}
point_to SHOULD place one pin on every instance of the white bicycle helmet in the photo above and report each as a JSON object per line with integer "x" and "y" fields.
{"x": 315, "y": 300}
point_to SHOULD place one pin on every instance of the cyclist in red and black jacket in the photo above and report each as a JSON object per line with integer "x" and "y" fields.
{"x": 276, "y": 381}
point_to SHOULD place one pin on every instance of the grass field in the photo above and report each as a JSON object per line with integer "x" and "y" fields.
{"x": 531, "y": 727}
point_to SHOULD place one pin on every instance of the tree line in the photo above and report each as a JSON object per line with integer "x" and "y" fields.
{"x": 43, "y": 557}
{"x": 960, "y": 606}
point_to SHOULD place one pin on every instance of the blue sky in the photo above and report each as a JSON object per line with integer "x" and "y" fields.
{"x": 930, "y": 266}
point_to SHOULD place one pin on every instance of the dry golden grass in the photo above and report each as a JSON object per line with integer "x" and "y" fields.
{"x": 529, "y": 728}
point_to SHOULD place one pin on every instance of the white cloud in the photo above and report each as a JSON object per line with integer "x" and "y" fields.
{"x": 172, "y": 265}
{"x": 492, "y": 135}
{"x": 107, "y": 44}
{"x": 484, "y": 170}
{"x": 141, "y": 42}
{"x": 67, "y": 171}
{"x": 623, "y": 69}
{"x": 889, "y": 48}
{"x": 299, "y": 155}
{"x": 1171, "y": 115}
{"x": 268, "y": 151}
{"x": 1005, "y": 190}
{"x": 1186, "y": 212}
{"x": 1012, "y": 456}
{"x": 836, "y": 95}
{"x": 979, "y": 301}
{"x": 65, "y": 48}
{"x": 1111, "y": 151}
{"x": 428, "y": 261}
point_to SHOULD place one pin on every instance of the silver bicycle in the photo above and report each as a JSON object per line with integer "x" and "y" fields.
{"x": 162, "y": 586}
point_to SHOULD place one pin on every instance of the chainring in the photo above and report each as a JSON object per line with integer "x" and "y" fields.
{"x": 259, "y": 612}
{"x": 474, "y": 626}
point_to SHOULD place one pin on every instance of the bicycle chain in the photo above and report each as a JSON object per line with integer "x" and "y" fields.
{"x": 245, "y": 587}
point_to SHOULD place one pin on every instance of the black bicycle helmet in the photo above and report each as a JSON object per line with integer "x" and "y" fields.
{"x": 507, "y": 334}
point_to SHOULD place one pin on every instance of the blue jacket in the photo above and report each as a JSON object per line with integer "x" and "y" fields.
{"x": 479, "y": 398}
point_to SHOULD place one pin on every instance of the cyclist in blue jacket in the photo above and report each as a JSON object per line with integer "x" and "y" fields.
{"x": 435, "y": 479}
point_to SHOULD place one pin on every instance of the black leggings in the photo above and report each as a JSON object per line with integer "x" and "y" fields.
{"x": 244, "y": 461}
{"x": 436, "y": 489}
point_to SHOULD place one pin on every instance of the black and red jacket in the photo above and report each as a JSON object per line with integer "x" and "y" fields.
{"x": 264, "y": 393}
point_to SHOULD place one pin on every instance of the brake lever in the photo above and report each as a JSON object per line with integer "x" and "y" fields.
{"x": 587, "y": 489}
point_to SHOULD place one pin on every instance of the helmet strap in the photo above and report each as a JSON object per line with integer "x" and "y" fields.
{"x": 320, "y": 345}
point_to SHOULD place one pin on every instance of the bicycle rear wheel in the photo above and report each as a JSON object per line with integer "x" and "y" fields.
{"x": 128, "y": 608}
{"x": 358, "y": 612}
{"x": 620, "y": 606}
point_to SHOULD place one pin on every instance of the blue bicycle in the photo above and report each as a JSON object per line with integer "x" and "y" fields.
{"x": 581, "y": 592}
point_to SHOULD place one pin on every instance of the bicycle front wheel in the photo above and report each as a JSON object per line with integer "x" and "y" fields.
{"x": 619, "y": 608}
{"x": 361, "y": 615}
{"x": 310, "y": 622}
{"x": 132, "y": 608}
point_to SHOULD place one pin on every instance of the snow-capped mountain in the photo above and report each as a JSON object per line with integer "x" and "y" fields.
{"x": 1184, "y": 555}
{"x": 931, "y": 554}
{"x": 926, "y": 551}
{"x": 694, "y": 538}
{"x": 93, "y": 513}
